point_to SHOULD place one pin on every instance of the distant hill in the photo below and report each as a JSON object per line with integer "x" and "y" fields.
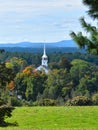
{"x": 40, "y": 50}
{"x": 64, "y": 43}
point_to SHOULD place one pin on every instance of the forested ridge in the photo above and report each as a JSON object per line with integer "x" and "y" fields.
{"x": 40, "y": 49}
{"x": 72, "y": 79}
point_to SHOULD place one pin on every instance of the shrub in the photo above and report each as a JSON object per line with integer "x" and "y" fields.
{"x": 79, "y": 101}
{"x": 15, "y": 102}
{"x": 5, "y": 111}
{"x": 45, "y": 102}
{"x": 60, "y": 101}
{"x": 95, "y": 99}
{"x": 48, "y": 102}
{"x": 27, "y": 103}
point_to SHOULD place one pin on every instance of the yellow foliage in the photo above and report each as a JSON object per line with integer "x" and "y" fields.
{"x": 9, "y": 65}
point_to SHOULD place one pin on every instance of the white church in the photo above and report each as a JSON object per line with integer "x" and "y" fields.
{"x": 44, "y": 63}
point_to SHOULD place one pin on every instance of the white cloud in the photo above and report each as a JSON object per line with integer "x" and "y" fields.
{"x": 35, "y": 19}
{"x": 23, "y": 6}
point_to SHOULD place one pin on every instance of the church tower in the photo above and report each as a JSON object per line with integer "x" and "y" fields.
{"x": 44, "y": 57}
{"x": 44, "y": 62}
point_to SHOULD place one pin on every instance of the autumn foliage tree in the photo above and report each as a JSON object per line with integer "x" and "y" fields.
{"x": 30, "y": 82}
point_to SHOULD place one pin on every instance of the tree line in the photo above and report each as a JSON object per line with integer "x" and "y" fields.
{"x": 67, "y": 79}
{"x": 35, "y": 58}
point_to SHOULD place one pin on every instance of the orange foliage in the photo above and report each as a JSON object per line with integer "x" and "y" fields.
{"x": 11, "y": 85}
{"x": 28, "y": 70}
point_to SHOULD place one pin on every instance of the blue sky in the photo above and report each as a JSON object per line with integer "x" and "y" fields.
{"x": 39, "y": 20}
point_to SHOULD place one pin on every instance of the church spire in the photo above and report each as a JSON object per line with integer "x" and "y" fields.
{"x": 44, "y": 49}
{"x": 44, "y": 57}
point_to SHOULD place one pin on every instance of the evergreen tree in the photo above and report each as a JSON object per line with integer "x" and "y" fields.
{"x": 93, "y": 7}
{"x": 6, "y": 75}
{"x": 90, "y": 41}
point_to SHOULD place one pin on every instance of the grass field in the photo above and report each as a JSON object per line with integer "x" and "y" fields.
{"x": 51, "y": 118}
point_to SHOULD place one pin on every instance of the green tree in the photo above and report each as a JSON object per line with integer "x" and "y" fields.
{"x": 79, "y": 69}
{"x": 17, "y": 64}
{"x": 6, "y": 75}
{"x": 56, "y": 81}
{"x": 5, "y": 111}
{"x": 93, "y": 8}
{"x": 90, "y": 41}
{"x": 87, "y": 86}
{"x": 64, "y": 63}
{"x": 29, "y": 83}
{"x": 85, "y": 78}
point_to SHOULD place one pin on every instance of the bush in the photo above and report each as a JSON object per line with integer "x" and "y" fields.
{"x": 79, "y": 101}
{"x": 95, "y": 99}
{"x": 45, "y": 102}
{"x": 2, "y": 102}
{"x": 15, "y": 102}
{"x": 5, "y": 111}
{"x": 27, "y": 103}
{"x": 60, "y": 101}
{"x": 48, "y": 102}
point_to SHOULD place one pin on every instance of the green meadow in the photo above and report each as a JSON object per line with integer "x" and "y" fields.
{"x": 54, "y": 118}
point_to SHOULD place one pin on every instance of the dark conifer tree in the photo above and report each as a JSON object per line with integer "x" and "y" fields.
{"x": 6, "y": 75}
{"x": 89, "y": 41}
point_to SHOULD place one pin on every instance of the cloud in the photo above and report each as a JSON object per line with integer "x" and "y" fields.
{"x": 35, "y": 19}
{"x": 23, "y": 6}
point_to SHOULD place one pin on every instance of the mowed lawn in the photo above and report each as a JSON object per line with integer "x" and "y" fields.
{"x": 54, "y": 117}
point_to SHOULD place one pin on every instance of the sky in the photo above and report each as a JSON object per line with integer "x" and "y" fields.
{"x": 39, "y": 20}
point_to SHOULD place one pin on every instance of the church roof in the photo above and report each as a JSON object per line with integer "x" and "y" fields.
{"x": 43, "y": 68}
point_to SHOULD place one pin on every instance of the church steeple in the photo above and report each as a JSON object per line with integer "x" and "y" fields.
{"x": 44, "y": 65}
{"x": 44, "y": 57}
{"x": 44, "y": 49}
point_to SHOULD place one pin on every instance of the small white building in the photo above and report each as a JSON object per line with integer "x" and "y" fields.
{"x": 44, "y": 62}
